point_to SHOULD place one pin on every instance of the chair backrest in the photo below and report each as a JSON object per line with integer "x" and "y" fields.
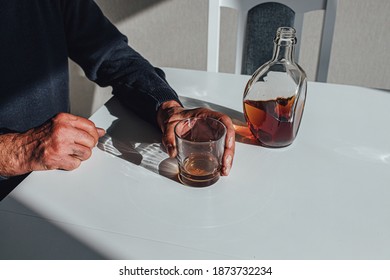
{"x": 300, "y": 7}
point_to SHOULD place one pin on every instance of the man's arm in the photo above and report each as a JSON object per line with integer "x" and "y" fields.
{"x": 106, "y": 58}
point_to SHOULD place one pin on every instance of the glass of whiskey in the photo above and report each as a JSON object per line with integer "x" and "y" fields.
{"x": 200, "y": 145}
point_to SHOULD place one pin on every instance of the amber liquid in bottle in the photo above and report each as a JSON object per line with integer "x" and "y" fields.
{"x": 270, "y": 121}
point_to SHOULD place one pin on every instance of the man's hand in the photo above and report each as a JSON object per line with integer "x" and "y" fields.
{"x": 61, "y": 143}
{"x": 170, "y": 113}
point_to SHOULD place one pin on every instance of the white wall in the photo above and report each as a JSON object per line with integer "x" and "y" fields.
{"x": 360, "y": 54}
{"x": 173, "y": 33}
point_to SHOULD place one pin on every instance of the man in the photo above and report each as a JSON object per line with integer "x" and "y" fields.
{"x": 36, "y": 132}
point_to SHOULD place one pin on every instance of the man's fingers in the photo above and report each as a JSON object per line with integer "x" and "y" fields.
{"x": 80, "y": 152}
{"x": 70, "y": 163}
{"x": 101, "y": 132}
{"x": 168, "y": 140}
{"x": 227, "y": 162}
{"x": 82, "y": 124}
{"x": 83, "y": 138}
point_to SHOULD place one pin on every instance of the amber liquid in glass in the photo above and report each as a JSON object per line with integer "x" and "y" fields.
{"x": 200, "y": 170}
{"x": 271, "y": 121}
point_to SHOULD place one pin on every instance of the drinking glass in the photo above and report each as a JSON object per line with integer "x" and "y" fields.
{"x": 200, "y": 145}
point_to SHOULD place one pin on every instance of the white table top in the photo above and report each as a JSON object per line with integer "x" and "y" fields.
{"x": 327, "y": 196}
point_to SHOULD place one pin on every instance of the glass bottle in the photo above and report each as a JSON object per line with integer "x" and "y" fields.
{"x": 274, "y": 97}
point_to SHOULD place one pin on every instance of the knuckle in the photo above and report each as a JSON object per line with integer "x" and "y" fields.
{"x": 60, "y": 116}
{"x": 57, "y": 133}
{"x": 58, "y": 130}
{"x": 56, "y": 146}
{"x": 74, "y": 164}
{"x": 171, "y": 119}
{"x": 225, "y": 119}
{"x": 47, "y": 161}
{"x": 91, "y": 141}
{"x": 87, "y": 154}
{"x": 89, "y": 123}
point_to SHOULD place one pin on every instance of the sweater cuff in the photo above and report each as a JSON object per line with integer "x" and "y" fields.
{"x": 3, "y": 178}
{"x": 163, "y": 95}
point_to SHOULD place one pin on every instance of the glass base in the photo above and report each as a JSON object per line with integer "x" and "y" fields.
{"x": 194, "y": 182}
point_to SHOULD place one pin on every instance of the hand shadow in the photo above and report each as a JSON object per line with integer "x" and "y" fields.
{"x": 136, "y": 141}
{"x": 139, "y": 142}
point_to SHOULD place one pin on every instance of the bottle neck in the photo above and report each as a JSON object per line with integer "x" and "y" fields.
{"x": 283, "y": 52}
{"x": 284, "y": 44}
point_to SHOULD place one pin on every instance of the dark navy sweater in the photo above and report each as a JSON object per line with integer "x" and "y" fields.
{"x": 38, "y": 36}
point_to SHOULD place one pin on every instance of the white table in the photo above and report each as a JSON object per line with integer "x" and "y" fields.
{"x": 327, "y": 196}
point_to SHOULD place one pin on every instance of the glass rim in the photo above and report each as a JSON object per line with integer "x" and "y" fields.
{"x": 200, "y": 118}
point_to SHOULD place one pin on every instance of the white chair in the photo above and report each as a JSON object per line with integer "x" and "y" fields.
{"x": 300, "y": 7}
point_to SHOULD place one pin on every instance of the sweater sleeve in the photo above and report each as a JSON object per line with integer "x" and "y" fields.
{"x": 103, "y": 52}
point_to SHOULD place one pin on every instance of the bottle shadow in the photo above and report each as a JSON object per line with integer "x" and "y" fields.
{"x": 136, "y": 141}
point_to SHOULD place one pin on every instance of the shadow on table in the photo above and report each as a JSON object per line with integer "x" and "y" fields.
{"x": 7, "y": 186}
{"x": 28, "y": 236}
{"x": 139, "y": 142}
{"x": 136, "y": 141}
